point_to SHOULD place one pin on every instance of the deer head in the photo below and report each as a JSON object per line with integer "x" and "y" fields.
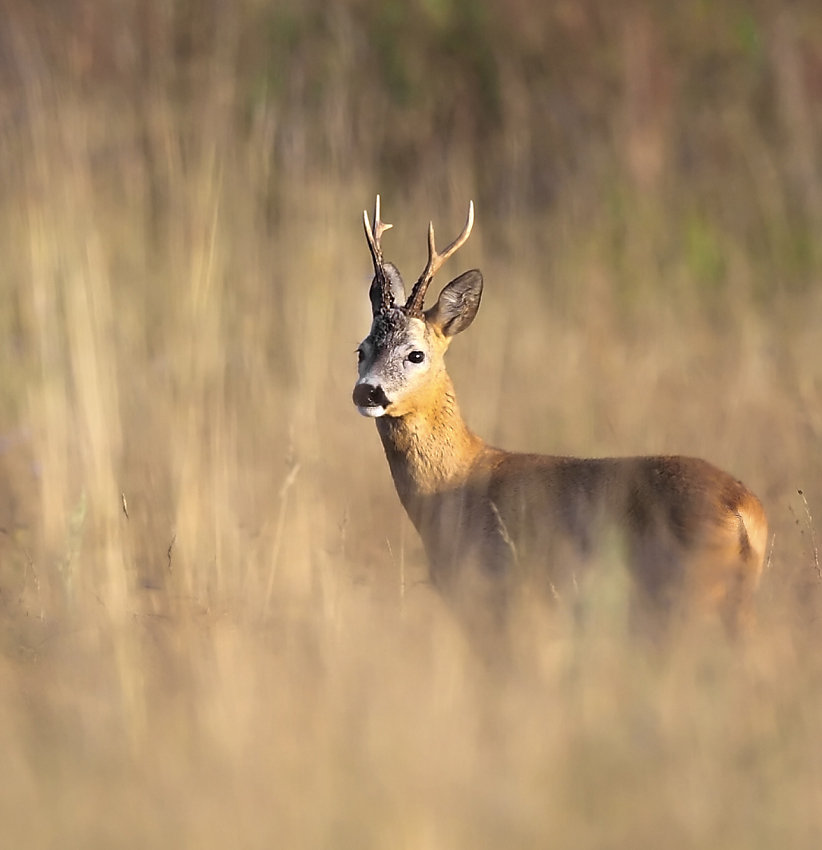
{"x": 402, "y": 358}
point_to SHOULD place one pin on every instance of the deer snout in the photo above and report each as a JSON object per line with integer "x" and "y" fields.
{"x": 370, "y": 400}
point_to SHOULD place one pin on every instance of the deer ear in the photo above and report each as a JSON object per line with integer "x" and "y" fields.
{"x": 457, "y": 305}
{"x": 395, "y": 284}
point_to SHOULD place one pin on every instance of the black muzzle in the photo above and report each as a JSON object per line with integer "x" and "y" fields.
{"x": 367, "y": 395}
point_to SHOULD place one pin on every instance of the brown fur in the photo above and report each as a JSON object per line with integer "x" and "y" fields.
{"x": 691, "y": 534}
{"x": 490, "y": 520}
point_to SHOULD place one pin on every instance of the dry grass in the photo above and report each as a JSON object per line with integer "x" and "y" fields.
{"x": 252, "y": 657}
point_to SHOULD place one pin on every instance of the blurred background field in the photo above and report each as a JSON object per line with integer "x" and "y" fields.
{"x": 215, "y": 625}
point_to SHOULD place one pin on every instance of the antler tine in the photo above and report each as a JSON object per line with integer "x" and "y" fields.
{"x": 415, "y": 301}
{"x": 373, "y": 235}
{"x": 379, "y": 226}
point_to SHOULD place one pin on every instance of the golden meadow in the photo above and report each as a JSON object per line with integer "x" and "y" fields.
{"x": 215, "y": 624}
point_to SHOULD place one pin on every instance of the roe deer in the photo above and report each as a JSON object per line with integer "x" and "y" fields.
{"x": 690, "y": 534}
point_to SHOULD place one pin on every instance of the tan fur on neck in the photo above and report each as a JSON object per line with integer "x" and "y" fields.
{"x": 430, "y": 448}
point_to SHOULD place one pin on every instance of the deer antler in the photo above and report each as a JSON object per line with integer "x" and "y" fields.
{"x": 415, "y": 301}
{"x": 373, "y": 236}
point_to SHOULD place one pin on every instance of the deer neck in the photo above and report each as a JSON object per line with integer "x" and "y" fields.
{"x": 430, "y": 450}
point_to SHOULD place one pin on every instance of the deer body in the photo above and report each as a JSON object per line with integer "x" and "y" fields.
{"x": 689, "y": 533}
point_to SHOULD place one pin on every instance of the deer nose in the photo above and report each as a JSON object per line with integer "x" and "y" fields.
{"x": 367, "y": 395}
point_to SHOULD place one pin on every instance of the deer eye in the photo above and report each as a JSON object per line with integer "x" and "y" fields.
{"x": 416, "y": 356}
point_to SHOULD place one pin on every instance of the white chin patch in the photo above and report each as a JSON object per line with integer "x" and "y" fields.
{"x": 372, "y": 412}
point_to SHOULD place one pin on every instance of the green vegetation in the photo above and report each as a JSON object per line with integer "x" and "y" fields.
{"x": 215, "y": 629}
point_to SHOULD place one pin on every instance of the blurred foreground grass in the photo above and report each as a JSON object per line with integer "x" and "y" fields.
{"x": 215, "y": 626}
